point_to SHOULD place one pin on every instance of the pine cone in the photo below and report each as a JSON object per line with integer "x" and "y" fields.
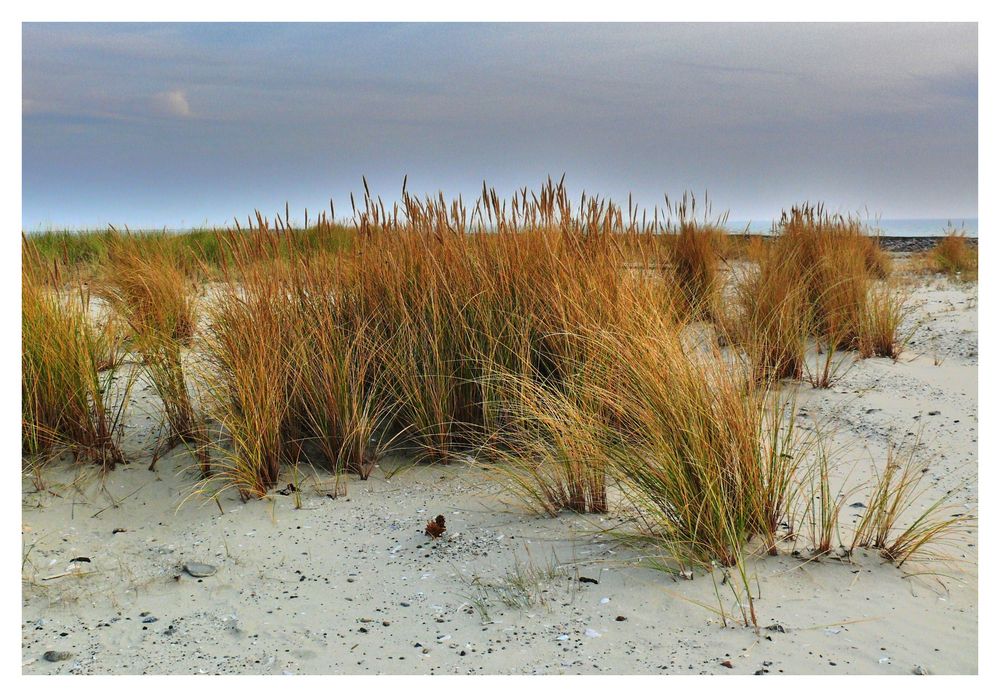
{"x": 435, "y": 528}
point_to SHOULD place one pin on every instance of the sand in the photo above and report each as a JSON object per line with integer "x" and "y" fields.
{"x": 353, "y": 585}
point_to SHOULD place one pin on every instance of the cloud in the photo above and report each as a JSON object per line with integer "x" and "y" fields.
{"x": 173, "y": 103}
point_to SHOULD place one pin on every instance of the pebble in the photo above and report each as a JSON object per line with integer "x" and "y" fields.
{"x": 920, "y": 670}
{"x": 56, "y": 656}
{"x": 199, "y": 570}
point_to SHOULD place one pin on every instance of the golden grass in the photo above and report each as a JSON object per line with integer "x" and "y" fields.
{"x": 145, "y": 286}
{"x": 69, "y": 396}
{"x": 952, "y": 255}
{"x": 564, "y": 345}
{"x": 819, "y": 276}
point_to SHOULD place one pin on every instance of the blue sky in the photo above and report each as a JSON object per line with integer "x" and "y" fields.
{"x": 180, "y": 125}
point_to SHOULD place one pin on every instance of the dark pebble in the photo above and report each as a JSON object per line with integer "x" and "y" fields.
{"x": 56, "y": 656}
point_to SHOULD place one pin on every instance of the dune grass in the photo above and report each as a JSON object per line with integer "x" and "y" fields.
{"x": 819, "y": 278}
{"x": 70, "y": 394}
{"x": 144, "y": 284}
{"x": 952, "y": 255}
{"x": 200, "y": 253}
{"x": 890, "y": 525}
{"x": 572, "y": 347}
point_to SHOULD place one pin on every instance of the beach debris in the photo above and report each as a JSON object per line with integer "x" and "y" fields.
{"x": 775, "y": 628}
{"x": 150, "y": 619}
{"x": 592, "y": 633}
{"x": 727, "y": 664}
{"x": 435, "y": 528}
{"x": 621, "y": 618}
{"x": 79, "y": 559}
{"x": 288, "y": 490}
{"x": 199, "y": 570}
{"x": 118, "y": 530}
{"x": 56, "y": 656}
{"x": 687, "y": 575}
{"x": 588, "y": 579}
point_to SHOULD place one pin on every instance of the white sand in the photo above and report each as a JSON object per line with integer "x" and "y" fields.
{"x": 352, "y": 585}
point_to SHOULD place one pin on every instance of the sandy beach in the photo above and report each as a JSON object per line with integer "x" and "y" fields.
{"x": 351, "y": 584}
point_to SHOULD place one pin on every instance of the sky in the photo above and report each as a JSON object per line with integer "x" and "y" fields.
{"x": 182, "y": 125}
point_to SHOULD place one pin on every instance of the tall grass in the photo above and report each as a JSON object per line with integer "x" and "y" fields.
{"x": 696, "y": 250}
{"x": 952, "y": 255}
{"x": 819, "y": 276}
{"x": 145, "y": 285}
{"x": 69, "y": 395}
{"x": 200, "y": 252}
{"x": 560, "y": 342}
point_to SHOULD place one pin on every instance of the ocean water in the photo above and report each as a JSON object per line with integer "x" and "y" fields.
{"x": 890, "y": 227}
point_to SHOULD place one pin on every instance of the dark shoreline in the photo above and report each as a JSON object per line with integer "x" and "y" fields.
{"x": 916, "y": 244}
{"x": 903, "y": 244}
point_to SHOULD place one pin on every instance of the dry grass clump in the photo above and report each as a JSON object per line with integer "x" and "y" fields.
{"x": 69, "y": 395}
{"x": 819, "y": 276}
{"x": 399, "y": 341}
{"x": 773, "y": 316}
{"x": 696, "y": 249}
{"x": 144, "y": 282}
{"x": 145, "y": 286}
{"x": 704, "y": 457}
{"x": 952, "y": 255}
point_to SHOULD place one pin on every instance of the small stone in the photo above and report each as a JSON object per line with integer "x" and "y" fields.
{"x": 858, "y": 504}
{"x": 920, "y": 670}
{"x": 775, "y": 628}
{"x": 199, "y": 570}
{"x": 621, "y": 618}
{"x": 727, "y": 664}
{"x": 150, "y": 619}
{"x": 56, "y": 656}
